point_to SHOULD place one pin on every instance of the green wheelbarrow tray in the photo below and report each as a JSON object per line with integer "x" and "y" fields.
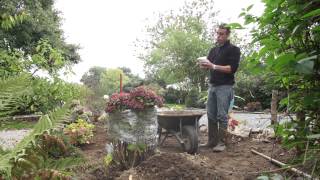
{"x": 183, "y": 125}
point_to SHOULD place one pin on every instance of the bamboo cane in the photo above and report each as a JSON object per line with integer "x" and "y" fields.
{"x": 283, "y": 164}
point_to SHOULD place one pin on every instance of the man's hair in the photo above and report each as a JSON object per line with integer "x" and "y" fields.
{"x": 226, "y": 27}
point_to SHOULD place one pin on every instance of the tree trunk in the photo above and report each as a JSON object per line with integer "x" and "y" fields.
{"x": 301, "y": 117}
{"x": 274, "y": 106}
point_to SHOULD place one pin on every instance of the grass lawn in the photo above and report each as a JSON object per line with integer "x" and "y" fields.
{"x": 6, "y": 125}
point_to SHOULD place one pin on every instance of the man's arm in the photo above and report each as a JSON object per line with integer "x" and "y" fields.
{"x": 224, "y": 69}
{"x": 209, "y": 65}
{"x": 233, "y": 60}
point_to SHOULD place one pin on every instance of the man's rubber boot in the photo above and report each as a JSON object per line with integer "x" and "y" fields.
{"x": 213, "y": 135}
{"x": 222, "y": 145}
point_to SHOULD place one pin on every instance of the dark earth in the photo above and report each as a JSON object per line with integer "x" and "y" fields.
{"x": 170, "y": 162}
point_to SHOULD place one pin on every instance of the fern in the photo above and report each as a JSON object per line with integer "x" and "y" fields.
{"x": 10, "y": 90}
{"x": 64, "y": 163}
{"x": 46, "y": 124}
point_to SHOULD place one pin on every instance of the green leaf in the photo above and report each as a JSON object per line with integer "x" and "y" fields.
{"x": 249, "y": 19}
{"x": 108, "y": 159}
{"x": 242, "y": 14}
{"x": 283, "y": 62}
{"x": 249, "y": 7}
{"x": 235, "y": 26}
{"x": 308, "y": 100}
{"x": 312, "y": 14}
{"x": 132, "y": 147}
{"x": 271, "y": 43}
{"x": 142, "y": 146}
{"x": 305, "y": 66}
{"x": 240, "y": 98}
{"x": 295, "y": 29}
{"x": 314, "y": 136}
{"x": 63, "y": 163}
{"x": 317, "y": 28}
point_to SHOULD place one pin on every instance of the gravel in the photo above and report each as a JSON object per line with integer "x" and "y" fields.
{"x": 10, "y": 138}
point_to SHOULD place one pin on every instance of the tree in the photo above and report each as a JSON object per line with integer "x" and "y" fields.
{"x": 110, "y": 80}
{"x": 176, "y": 41}
{"x": 27, "y": 27}
{"x": 133, "y": 80}
{"x": 288, "y": 34}
{"x": 102, "y": 81}
{"x": 92, "y": 78}
{"x": 31, "y": 40}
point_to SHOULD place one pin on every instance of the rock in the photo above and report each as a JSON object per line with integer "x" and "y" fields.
{"x": 203, "y": 129}
{"x": 253, "y": 106}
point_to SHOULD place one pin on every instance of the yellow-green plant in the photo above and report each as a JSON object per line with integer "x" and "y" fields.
{"x": 79, "y": 132}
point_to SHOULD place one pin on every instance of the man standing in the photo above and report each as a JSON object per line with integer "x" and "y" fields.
{"x": 222, "y": 61}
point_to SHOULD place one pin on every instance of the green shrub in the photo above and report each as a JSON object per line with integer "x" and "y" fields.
{"x": 252, "y": 89}
{"x": 172, "y": 95}
{"x": 192, "y": 98}
{"x": 47, "y": 95}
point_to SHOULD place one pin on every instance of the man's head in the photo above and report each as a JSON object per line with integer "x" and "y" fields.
{"x": 223, "y": 33}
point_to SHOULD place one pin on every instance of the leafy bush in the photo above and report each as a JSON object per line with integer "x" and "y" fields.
{"x": 138, "y": 99}
{"x": 156, "y": 88}
{"x": 127, "y": 155}
{"x": 172, "y": 95}
{"x": 118, "y": 102}
{"x": 202, "y": 100}
{"x": 47, "y": 95}
{"x": 288, "y": 34}
{"x": 252, "y": 89}
{"x": 192, "y": 98}
{"x": 79, "y": 132}
{"x": 143, "y": 97}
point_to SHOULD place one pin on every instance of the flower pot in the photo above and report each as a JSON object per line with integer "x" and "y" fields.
{"x": 134, "y": 126}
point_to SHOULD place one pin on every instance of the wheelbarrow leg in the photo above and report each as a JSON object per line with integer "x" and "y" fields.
{"x": 159, "y": 133}
{"x": 178, "y": 137}
{"x": 165, "y": 137}
{"x": 197, "y": 134}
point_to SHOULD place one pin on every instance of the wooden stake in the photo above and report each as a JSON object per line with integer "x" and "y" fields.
{"x": 120, "y": 83}
{"x": 274, "y": 105}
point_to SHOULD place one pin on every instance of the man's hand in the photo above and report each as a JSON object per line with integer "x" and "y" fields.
{"x": 206, "y": 64}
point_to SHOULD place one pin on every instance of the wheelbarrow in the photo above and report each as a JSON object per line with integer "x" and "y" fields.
{"x": 183, "y": 125}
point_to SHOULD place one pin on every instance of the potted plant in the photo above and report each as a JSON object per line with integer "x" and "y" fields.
{"x": 132, "y": 123}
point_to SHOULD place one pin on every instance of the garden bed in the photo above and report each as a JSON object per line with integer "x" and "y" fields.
{"x": 171, "y": 163}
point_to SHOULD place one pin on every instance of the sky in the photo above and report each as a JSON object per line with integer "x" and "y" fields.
{"x": 106, "y": 30}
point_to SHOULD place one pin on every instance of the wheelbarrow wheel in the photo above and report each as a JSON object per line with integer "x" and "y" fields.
{"x": 190, "y": 138}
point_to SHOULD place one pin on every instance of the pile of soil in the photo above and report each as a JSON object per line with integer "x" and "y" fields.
{"x": 238, "y": 162}
{"x": 172, "y": 166}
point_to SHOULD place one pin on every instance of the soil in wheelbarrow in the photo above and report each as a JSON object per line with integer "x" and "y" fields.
{"x": 238, "y": 162}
